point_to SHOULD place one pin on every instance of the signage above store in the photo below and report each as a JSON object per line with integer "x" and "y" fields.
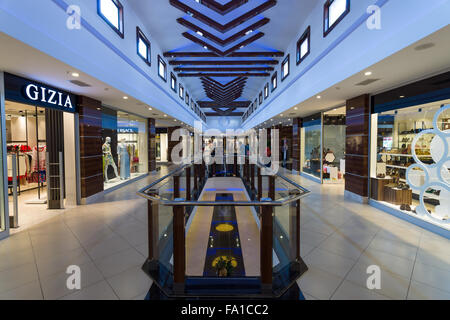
{"x": 37, "y": 94}
{"x": 128, "y": 130}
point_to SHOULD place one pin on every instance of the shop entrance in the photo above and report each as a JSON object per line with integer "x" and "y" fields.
{"x": 34, "y": 159}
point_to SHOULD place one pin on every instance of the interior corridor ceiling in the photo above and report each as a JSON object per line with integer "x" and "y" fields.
{"x": 224, "y": 51}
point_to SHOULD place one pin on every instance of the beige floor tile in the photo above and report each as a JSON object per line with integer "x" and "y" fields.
{"x": 432, "y": 276}
{"x": 392, "y": 285}
{"x": 29, "y": 291}
{"x": 420, "y": 291}
{"x": 106, "y": 246}
{"x": 119, "y": 262}
{"x": 319, "y": 284}
{"x": 350, "y": 291}
{"x": 55, "y": 286}
{"x": 18, "y": 276}
{"x": 130, "y": 283}
{"x": 98, "y": 291}
{"x": 329, "y": 262}
{"x": 59, "y": 262}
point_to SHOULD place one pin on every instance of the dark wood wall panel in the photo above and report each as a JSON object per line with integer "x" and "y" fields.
{"x": 91, "y": 158}
{"x": 54, "y": 128}
{"x": 171, "y": 143}
{"x": 296, "y": 144}
{"x": 151, "y": 145}
{"x": 357, "y": 145}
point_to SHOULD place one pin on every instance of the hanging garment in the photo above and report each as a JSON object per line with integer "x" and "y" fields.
{"x": 124, "y": 157}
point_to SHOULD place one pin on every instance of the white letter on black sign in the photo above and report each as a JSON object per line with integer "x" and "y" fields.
{"x": 32, "y": 95}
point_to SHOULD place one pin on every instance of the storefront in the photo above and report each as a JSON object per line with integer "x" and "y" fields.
{"x": 162, "y": 145}
{"x": 40, "y": 135}
{"x": 124, "y": 147}
{"x": 409, "y": 155}
{"x": 323, "y": 146}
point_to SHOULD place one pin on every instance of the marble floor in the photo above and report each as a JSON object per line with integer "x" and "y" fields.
{"x": 339, "y": 240}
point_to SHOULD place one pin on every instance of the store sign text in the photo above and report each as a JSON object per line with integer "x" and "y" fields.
{"x": 46, "y": 95}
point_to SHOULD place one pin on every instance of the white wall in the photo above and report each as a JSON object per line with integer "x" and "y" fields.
{"x": 353, "y": 48}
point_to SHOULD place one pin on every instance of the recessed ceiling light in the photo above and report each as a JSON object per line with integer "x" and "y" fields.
{"x": 150, "y": 109}
{"x": 401, "y": 97}
{"x": 281, "y": 115}
{"x": 125, "y": 98}
{"x": 368, "y": 73}
{"x": 165, "y": 115}
{"x": 319, "y": 97}
{"x": 295, "y": 108}
{"x": 75, "y": 74}
{"x": 205, "y": 47}
{"x": 200, "y": 33}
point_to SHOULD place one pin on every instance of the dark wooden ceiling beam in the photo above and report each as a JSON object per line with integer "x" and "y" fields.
{"x": 222, "y": 62}
{"x": 235, "y": 104}
{"x": 236, "y": 47}
{"x": 253, "y": 54}
{"x": 219, "y": 41}
{"x": 216, "y": 25}
{"x": 224, "y": 86}
{"x": 215, "y": 114}
{"x": 223, "y": 9}
{"x": 216, "y": 69}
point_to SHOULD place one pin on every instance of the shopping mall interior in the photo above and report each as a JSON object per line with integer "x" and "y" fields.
{"x": 225, "y": 149}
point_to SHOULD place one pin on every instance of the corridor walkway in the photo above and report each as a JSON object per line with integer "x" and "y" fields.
{"x": 339, "y": 240}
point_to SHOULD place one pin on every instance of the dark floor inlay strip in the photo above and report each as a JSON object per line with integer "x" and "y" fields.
{"x": 224, "y": 239}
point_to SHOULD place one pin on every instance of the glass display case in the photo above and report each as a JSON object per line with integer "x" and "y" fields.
{"x": 410, "y": 161}
{"x": 312, "y": 146}
{"x": 334, "y": 134}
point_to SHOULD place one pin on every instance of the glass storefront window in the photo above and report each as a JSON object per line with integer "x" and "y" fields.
{"x": 311, "y": 146}
{"x": 334, "y": 133}
{"x": 125, "y": 147}
{"x": 409, "y": 171}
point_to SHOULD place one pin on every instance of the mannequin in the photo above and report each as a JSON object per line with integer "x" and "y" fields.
{"x": 108, "y": 159}
{"x": 124, "y": 160}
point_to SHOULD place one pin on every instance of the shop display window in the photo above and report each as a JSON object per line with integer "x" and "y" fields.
{"x": 125, "y": 147}
{"x": 410, "y": 167}
{"x": 334, "y": 134}
{"x": 311, "y": 146}
{"x": 26, "y": 139}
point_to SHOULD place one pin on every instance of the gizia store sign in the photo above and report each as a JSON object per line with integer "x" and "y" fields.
{"x": 37, "y": 94}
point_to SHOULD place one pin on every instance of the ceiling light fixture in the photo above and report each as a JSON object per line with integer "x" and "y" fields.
{"x": 200, "y": 33}
{"x": 319, "y": 97}
{"x": 75, "y": 74}
{"x": 368, "y": 73}
{"x": 125, "y": 98}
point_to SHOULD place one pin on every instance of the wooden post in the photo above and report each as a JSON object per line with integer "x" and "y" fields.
{"x": 271, "y": 187}
{"x": 252, "y": 176}
{"x": 188, "y": 183}
{"x": 179, "y": 249}
{"x": 153, "y": 229}
{"x": 176, "y": 187}
{"x": 260, "y": 184}
{"x": 196, "y": 177}
{"x": 266, "y": 248}
{"x": 294, "y": 228}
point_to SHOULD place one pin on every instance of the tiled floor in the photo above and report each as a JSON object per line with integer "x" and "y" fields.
{"x": 339, "y": 240}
